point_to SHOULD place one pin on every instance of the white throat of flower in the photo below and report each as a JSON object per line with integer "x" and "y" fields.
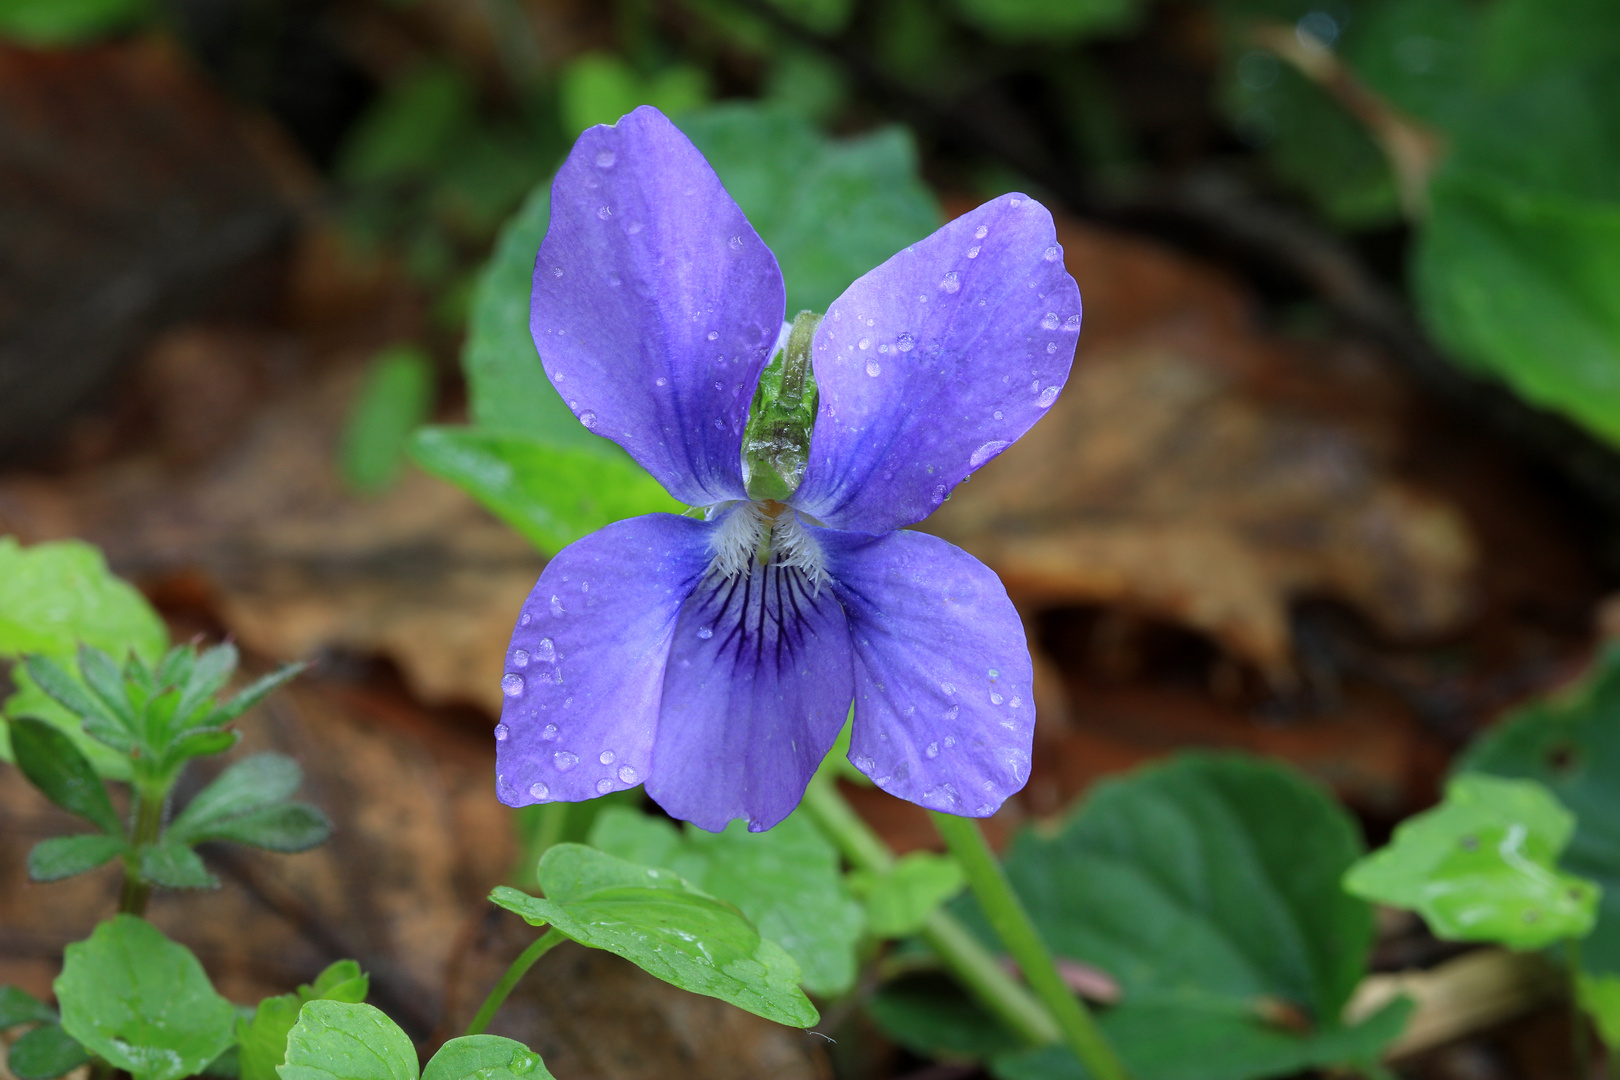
{"x": 768, "y": 532}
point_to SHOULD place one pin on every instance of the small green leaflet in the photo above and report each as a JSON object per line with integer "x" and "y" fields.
{"x": 53, "y": 764}
{"x": 142, "y": 1002}
{"x": 598, "y": 89}
{"x": 1482, "y": 866}
{"x": 786, "y": 880}
{"x": 1570, "y": 742}
{"x": 1209, "y": 888}
{"x": 64, "y": 856}
{"x": 899, "y": 902}
{"x": 18, "y": 1006}
{"x": 335, "y": 1040}
{"x": 1599, "y": 995}
{"x": 45, "y": 1052}
{"x": 263, "y": 1039}
{"x": 397, "y": 395}
{"x": 246, "y": 804}
{"x": 666, "y": 927}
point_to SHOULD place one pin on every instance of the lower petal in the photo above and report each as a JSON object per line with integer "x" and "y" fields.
{"x": 758, "y": 687}
{"x": 943, "y": 711}
{"x": 585, "y": 669}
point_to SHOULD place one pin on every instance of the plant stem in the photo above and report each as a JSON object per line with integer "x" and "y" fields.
{"x": 486, "y": 1012}
{"x": 966, "y": 958}
{"x": 148, "y": 814}
{"x": 1013, "y": 926}
{"x": 1577, "y": 1018}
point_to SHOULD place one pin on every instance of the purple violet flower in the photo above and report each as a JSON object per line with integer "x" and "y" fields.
{"x": 715, "y": 660}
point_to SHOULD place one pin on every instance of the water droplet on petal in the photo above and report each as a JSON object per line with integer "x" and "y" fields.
{"x": 546, "y": 651}
{"x": 713, "y": 334}
{"x": 525, "y": 619}
{"x": 983, "y": 230}
{"x": 987, "y": 451}
{"x": 1050, "y": 254}
{"x": 864, "y": 763}
{"x": 995, "y": 698}
{"x": 705, "y": 633}
{"x": 736, "y": 243}
{"x": 947, "y": 688}
{"x": 556, "y": 606}
{"x": 603, "y": 786}
{"x": 973, "y": 252}
{"x": 660, "y": 381}
{"x": 539, "y": 790}
{"x": 1015, "y": 202}
{"x": 719, "y": 424}
{"x": 556, "y": 271}
{"x": 933, "y": 750}
{"x": 588, "y": 418}
{"x": 520, "y": 658}
{"x": 604, "y": 212}
{"x": 633, "y": 228}
{"x": 1048, "y": 396}
{"x": 1051, "y": 347}
{"x": 905, "y": 343}
{"x": 996, "y": 414}
{"x": 549, "y": 732}
{"x": 864, "y": 343}
{"x": 564, "y": 760}
{"x": 1050, "y": 322}
{"x": 605, "y": 159}
{"x": 627, "y": 774}
{"x": 1072, "y": 323}
{"x": 501, "y": 732}
{"x": 873, "y": 368}
{"x": 950, "y": 741}
{"x": 511, "y": 684}
{"x": 1015, "y": 702}
{"x": 605, "y": 757}
{"x": 949, "y": 282}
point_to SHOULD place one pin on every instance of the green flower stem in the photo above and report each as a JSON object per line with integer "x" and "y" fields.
{"x": 1013, "y": 926}
{"x": 148, "y": 814}
{"x": 962, "y": 953}
{"x": 486, "y": 1012}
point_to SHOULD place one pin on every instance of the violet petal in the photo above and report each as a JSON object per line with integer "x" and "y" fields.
{"x": 585, "y": 668}
{"x": 933, "y": 363}
{"x": 758, "y": 686}
{"x": 943, "y": 710}
{"x": 655, "y": 304}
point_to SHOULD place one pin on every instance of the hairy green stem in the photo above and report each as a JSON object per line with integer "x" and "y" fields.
{"x": 148, "y": 826}
{"x": 497, "y": 995}
{"x": 1017, "y": 932}
{"x": 962, "y": 953}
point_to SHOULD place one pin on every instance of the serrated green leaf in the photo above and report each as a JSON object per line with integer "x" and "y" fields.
{"x": 289, "y": 828}
{"x": 57, "y": 684}
{"x": 666, "y": 927}
{"x": 1482, "y": 866}
{"x": 899, "y": 902}
{"x": 142, "y": 1002}
{"x": 18, "y": 1006}
{"x": 53, "y": 764}
{"x": 208, "y": 675}
{"x": 552, "y": 495}
{"x": 395, "y": 398}
{"x": 64, "y": 856}
{"x": 1570, "y": 742}
{"x": 176, "y": 666}
{"x": 1209, "y": 888}
{"x": 251, "y": 695}
{"x": 175, "y": 866}
{"x": 197, "y": 744}
{"x": 336, "y": 1040}
{"x": 786, "y": 881}
{"x": 250, "y": 784}
{"x": 486, "y": 1057}
{"x": 43, "y": 1053}
{"x": 105, "y": 680}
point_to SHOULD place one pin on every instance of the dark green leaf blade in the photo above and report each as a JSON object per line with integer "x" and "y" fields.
{"x": 44, "y": 1053}
{"x": 175, "y": 866}
{"x": 666, "y": 927}
{"x": 551, "y": 495}
{"x": 55, "y": 766}
{"x": 485, "y": 1057}
{"x": 105, "y": 680}
{"x": 18, "y": 1006}
{"x": 142, "y": 1002}
{"x": 337, "y": 1040}
{"x": 263, "y": 1038}
{"x": 288, "y": 828}
{"x": 208, "y": 676}
{"x": 250, "y": 784}
{"x": 64, "y": 856}
{"x": 396, "y": 397}
{"x": 251, "y": 695}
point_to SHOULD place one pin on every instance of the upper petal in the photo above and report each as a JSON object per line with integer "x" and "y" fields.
{"x": 933, "y": 363}
{"x": 655, "y": 303}
{"x": 943, "y": 710}
{"x": 585, "y": 669}
{"x": 758, "y": 687}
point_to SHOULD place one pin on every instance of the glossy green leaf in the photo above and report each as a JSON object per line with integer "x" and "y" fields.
{"x": 18, "y": 1006}
{"x": 665, "y": 926}
{"x": 1047, "y": 21}
{"x": 1209, "y": 889}
{"x": 1570, "y": 742}
{"x": 43, "y": 1053}
{"x": 263, "y": 1037}
{"x": 485, "y": 1057}
{"x": 1527, "y": 286}
{"x": 786, "y": 880}
{"x": 551, "y": 495}
{"x": 58, "y": 23}
{"x": 336, "y": 1040}
{"x": 395, "y": 398}
{"x": 250, "y": 784}
{"x": 175, "y": 866}
{"x": 1482, "y": 866}
{"x": 900, "y": 901}
{"x": 142, "y": 1002}
{"x": 53, "y": 764}
{"x": 64, "y": 856}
